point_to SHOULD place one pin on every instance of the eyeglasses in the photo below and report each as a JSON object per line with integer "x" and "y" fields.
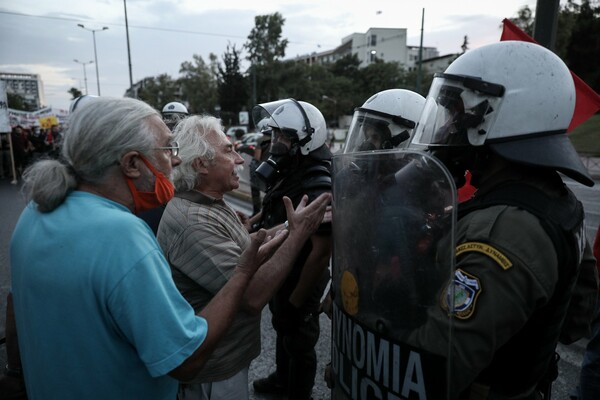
{"x": 173, "y": 148}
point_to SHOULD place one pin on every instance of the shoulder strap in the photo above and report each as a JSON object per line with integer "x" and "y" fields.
{"x": 558, "y": 216}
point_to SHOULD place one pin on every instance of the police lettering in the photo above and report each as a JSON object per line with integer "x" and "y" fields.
{"x": 369, "y": 366}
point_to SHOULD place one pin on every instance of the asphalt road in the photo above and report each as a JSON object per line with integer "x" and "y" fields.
{"x": 11, "y": 204}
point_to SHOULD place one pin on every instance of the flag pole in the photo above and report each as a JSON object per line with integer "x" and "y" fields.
{"x": 12, "y": 159}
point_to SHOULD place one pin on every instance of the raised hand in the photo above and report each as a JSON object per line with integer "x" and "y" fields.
{"x": 305, "y": 220}
{"x": 260, "y": 249}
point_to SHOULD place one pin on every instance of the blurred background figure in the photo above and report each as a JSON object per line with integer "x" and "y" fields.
{"x": 174, "y": 112}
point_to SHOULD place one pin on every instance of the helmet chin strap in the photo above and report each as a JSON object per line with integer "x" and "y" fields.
{"x": 307, "y": 128}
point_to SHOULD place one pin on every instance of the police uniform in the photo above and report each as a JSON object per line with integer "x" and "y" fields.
{"x": 515, "y": 274}
{"x": 297, "y": 328}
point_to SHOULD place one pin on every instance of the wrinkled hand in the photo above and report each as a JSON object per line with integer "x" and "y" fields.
{"x": 305, "y": 220}
{"x": 260, "y": 249}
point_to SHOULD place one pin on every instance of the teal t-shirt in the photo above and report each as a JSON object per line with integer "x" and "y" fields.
{"x": 98, "y": 315}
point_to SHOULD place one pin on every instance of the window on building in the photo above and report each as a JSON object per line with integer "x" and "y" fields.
{"x": 373, "y": 40}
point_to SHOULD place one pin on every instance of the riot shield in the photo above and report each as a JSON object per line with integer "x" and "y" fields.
{"x": 393, "y": 258}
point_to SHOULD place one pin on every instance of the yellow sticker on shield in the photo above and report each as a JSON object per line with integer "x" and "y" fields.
{"x": 349, "y": 293}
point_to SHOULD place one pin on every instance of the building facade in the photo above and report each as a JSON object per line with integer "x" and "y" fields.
{"x": 384, "y": 44}
{"x": 28, "y": 86}
{"x": 438, "y": 64}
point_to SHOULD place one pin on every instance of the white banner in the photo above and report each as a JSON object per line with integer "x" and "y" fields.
{"x": 28, "y": 119}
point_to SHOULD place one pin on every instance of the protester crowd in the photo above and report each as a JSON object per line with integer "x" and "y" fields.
{"x": 104, "y": 304}
{"x": 28, "y": 145}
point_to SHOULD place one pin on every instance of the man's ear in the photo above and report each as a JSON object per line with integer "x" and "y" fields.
{"x": 130, "y": 164}
{"x": 200, "y": 166}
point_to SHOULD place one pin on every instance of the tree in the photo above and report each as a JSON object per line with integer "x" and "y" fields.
{"x": 264, "y": 43}
{"x": 232, "y": 85}
{"x": 158, "y": 91}
{"x": 199, "y": 84}
{"x": 584, "y": 44}
{"x": 577, "y": 37}
{"x": 379, "y": 76}
{"x": 265, "y": 49}
{"x": 524, "y": 20}
{"x": 75, "y": 93}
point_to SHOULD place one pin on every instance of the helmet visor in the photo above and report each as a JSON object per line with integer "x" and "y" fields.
{"x": 455, "y": 114}
{"x": 373, "y": 130}
{"x": 263, "y": 112}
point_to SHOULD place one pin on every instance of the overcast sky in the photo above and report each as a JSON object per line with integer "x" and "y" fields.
{"x": 42, "y": 36}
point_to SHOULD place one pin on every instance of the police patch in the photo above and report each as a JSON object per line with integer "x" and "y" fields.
{"x": 486, "y": 249}
{"x": 465, "y": 290}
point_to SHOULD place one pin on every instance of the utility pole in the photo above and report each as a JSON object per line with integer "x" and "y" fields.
{"x": 84, "y": 73}
{"x": 546, "y": 21}
{"x": 128, "y": 49}
{"x": 419, "y": 70}
{"x": 95, "y": 53}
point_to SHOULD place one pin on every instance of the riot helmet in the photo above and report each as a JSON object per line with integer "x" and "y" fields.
{"x": 385, "y": 121}
{"x": 300, "y": 123}
{"x": 262, "y": 127}
{"x": 514, "y": 98}
{"x": 174, "y": 112}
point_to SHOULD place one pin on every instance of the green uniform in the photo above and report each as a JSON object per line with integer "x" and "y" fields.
{"x": 508, "y": 309}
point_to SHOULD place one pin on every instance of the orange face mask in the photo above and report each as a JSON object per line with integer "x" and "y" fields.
{"x": 163, "y": 191}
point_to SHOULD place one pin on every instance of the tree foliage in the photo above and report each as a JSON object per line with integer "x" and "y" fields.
{"x": 232, "y": 85}
{"x": 524, "y": 20}
{"x": 158, "y": 91}
{"x": 584, "y": 44}
{"x": 265, "y": 44}
{"x": 336, "y": 88}
{"x": 199, "y": 85}
{"x": 577, "y": 37}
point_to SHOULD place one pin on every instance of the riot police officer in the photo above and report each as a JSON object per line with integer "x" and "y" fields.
{"x": 385, "y": 121}
{"x": 174, "y": 112}
{"x": 524, "y": 274}
{"x": 299, "y": 164}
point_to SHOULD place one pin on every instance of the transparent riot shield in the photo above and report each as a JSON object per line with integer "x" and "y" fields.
{"x": 393, "y": 258}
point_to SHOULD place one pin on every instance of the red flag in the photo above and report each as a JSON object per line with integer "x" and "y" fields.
{"x": 587, "y": 101}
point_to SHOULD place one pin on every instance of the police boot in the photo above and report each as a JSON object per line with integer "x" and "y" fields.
{"x": 270, "y": 385}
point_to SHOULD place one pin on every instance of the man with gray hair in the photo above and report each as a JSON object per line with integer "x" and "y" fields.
{"x": 97, "y": 313}
{"x": 203, "y": 238}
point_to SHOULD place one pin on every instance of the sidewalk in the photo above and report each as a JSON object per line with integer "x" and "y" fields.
{"x": 592, "y": 164}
